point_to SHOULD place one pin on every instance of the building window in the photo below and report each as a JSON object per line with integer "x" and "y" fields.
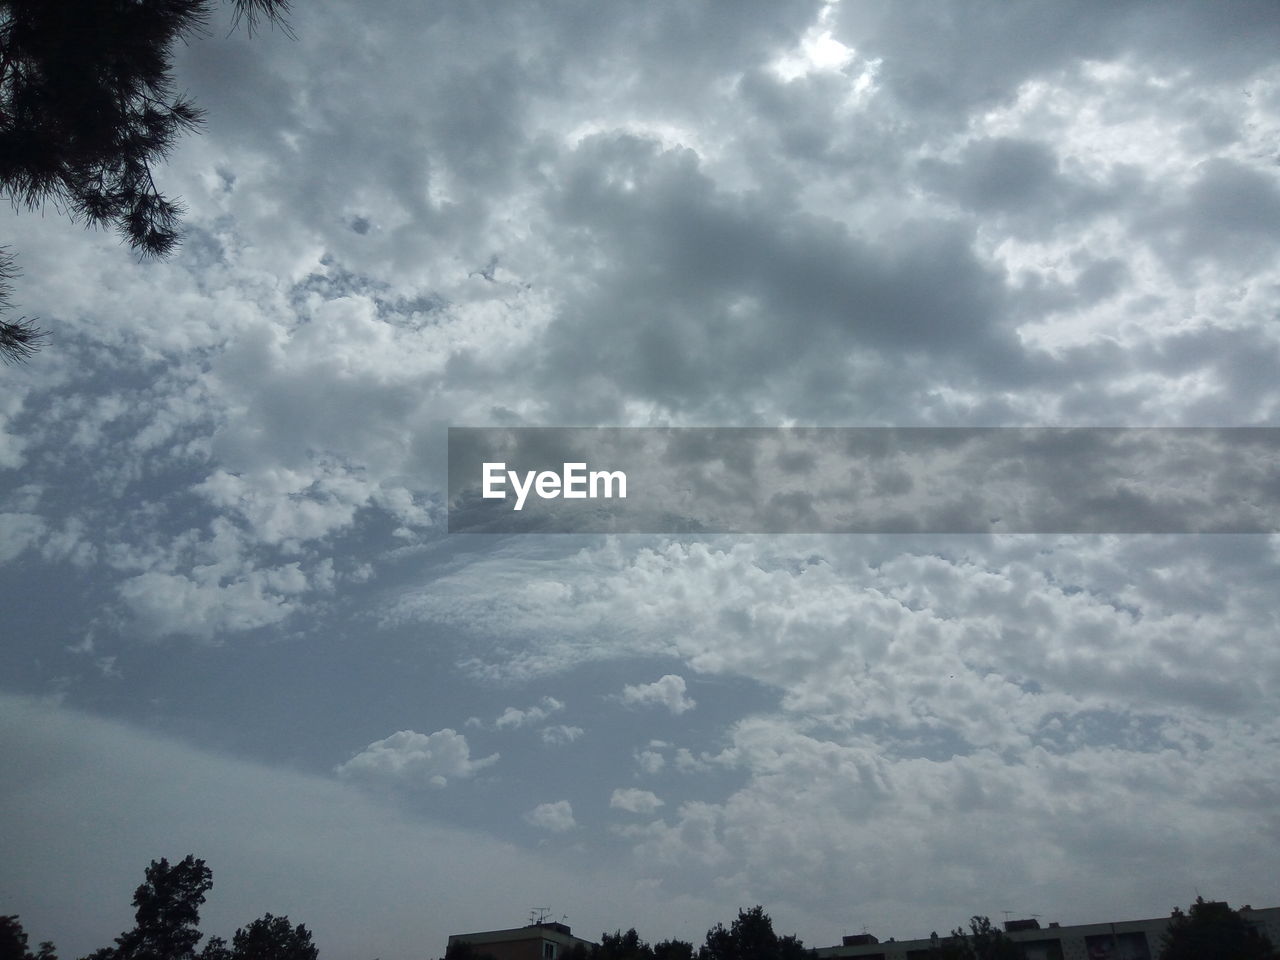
{"x": 548, "y": 951}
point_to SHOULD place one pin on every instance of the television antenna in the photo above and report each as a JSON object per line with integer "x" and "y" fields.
{"x": 538, "y": 915}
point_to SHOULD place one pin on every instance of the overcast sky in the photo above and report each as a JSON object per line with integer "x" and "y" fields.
{"x": 234, "y": 624}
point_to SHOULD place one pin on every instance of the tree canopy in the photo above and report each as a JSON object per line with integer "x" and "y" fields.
{"x": 13, "y": 943}
{"x": 167, "y": 919}
{"x": 984, "y": 941}
{"x": 272, "y": 938}
{"x": 20, "y": 338}
{"x": 87, "y": 107}
{"x": 622, "y": 946}
{"x": 1211, "y": 930}
{"x": 629, "y": 946}
{"x": 167, "y": 924}
{"x": 750, "y": 937}
{"x": 673, "y": 950}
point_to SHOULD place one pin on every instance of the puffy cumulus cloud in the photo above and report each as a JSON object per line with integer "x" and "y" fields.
{"x": 408, "y": 757}
{"x": 815, "y": 812}
{"x": 795, "y": 212}
{"x": 341, "y": 415}
{"x": 667, "y": 691}
{"x": 650, "y": 761}
{"x": 559, "y": 734}
{"x": 635, "y": 801}
{"x": 983, "y": 641}
{"x": 286, "y": 506}
{"x": 294, "y": 430}
{"x": 166, "y": 603}
{"x": 691, "y": 841}
{"x": 206, "y": 584}
{"x": 998, "y": 703}
{"x": 688, "y": 763}
{"x": 512, "y": 717}
{"x": 554, "y": 817}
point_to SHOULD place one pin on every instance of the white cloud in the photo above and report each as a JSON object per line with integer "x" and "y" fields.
{"x": 166, "y": 603}
{"x": 650, "y": 761}
{"x": 560, "y": 734}
{"x": 635, "y": 801}
{"x": 693, "y": 840}
{"x": 18, "y": 531}
{"x": 554, "y": 817}
{"x": 884, "y": 630}
{"x": 817, "y": 50}
{"x": 511, "y": 717}
{"x": 936, "y": 697}
{"x": 667, "y": 691}
{"x": 688, "y": 763}
{"x": 410, "y": 757}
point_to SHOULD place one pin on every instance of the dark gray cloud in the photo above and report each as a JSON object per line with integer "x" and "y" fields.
{"x": 700, "y": 290}
{"x": 1022, "y": 180}
{"x": 1229, "y": 214}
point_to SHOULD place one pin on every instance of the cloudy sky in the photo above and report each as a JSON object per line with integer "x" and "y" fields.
{"x": 234, "y": 624}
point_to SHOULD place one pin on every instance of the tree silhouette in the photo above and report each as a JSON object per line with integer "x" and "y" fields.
{"x": 673, "y": 950}
{"x": 751, "y": 937}
{"x": 983, "y": 942}
{"x": 167, "y": 925}
{"x": 1213, "y": 931}
{"x": 622, "y": 946}
{"x": 272, "y": 938}
{"x": 215, "y": 948}
{"x": 13, "y": 943}
{"x": 87, "y": 107}
{"x": 20, "y": 338}
{"x": 167, "y": 916}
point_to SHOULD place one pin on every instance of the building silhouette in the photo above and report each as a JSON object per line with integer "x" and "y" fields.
{"x": 1118, "y": 940}
{"x": 542, "y": 940}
